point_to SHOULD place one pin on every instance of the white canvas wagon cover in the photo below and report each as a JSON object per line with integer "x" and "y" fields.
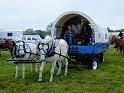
{"x": 101, "y": 35}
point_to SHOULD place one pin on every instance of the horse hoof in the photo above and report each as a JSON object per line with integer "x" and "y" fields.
{"x": 23, "y": 77}
{"x": 50, "y": 81}
{"x": 65, "y": 74}
{"x": 40, "y": 80}
{"x": 58, "y": 74}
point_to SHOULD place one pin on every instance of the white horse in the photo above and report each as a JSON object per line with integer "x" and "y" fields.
{"x": 24, "y": 51}
{"x": 53, "y": 51}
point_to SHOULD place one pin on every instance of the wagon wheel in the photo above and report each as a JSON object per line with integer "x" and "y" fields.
{"x": 101, "y": 57}
{"x": 93, "y": 64}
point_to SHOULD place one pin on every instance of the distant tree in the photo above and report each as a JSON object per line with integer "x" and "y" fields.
{"x": 48, "y": 28}
{"x": 42, "y": 34}
{"x": 122, "y": 30}
{"x": 48, "y": 33}
{"x": 109, "y": 30}
{"x": 28, "y": 32}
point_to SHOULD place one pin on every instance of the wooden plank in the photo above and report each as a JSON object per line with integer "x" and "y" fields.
{"x": 24, "y": 62}
{"x": 17, "y": 60}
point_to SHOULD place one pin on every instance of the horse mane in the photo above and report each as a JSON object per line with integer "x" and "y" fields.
{"x": 118, "y": 40}
{"x": 48, "y": 39}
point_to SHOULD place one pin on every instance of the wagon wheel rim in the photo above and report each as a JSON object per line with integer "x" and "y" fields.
{"x": 103, "y": 59}
{"x": 95, "y": 65}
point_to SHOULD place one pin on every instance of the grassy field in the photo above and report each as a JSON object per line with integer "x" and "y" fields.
{"x": 109, "y": 78}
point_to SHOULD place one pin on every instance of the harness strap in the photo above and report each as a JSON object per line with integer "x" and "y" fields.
{"x": 51, "y": 50}
{"x": 25, "y": 46}
{"x": 62, "y": 56}
{"x": 60, "y": 52}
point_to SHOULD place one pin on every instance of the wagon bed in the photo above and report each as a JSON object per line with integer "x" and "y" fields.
{"x": 88, "y": 49}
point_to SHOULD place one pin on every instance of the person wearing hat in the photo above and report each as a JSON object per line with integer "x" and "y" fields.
{"x": 120, "y": 35}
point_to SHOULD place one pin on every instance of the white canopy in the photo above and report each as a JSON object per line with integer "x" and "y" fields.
{"x": 62, "y": 19}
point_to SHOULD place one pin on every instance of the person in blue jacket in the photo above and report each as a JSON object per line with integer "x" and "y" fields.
{"x": 69, "y": 35}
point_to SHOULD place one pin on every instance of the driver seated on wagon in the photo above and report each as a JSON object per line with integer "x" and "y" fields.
{"x": 69, "y": 35}
{"x": 83, "y": 36}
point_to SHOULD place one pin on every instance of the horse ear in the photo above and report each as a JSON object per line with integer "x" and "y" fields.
{"x": 45, "y": 42}
{"x": 48, "y": 39}
{"x": 38, "y": 46}
{"x": 114, "y": 36}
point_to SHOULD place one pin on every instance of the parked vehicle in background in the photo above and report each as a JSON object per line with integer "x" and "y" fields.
{"x": 31, "y": 38}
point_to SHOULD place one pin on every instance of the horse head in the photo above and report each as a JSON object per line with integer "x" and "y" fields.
{"x": 20, "y": 49}
{"x": 48, "y": 39}
{"x": 113, "y": 39}
{"x": 46, "y": 47}
{"x": 43, "y": 49}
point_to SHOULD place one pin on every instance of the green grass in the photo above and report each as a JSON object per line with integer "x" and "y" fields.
{"x": 109, "y": 78}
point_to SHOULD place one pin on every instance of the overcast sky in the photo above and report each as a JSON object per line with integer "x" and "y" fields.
{"x": 37, "y": 14}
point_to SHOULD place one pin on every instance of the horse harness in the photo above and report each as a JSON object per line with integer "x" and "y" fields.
{"x": 51, "y": 49}
{"x": 24, "y": 48}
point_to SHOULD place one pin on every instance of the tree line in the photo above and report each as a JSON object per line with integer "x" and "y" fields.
{"x": 42, "y": 33}
{"x": 117, "y": 30}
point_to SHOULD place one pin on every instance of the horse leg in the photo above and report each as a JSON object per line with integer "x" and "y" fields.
{"x": 17, "y": 69}
{"x": 0, "y": 52}
{"x": 11, "y": 52}
{"x": 23, "y": 71}
{"x": 60, "y": 67}
{"x": 66, "y": 66}
{"x": 36, "y": 66}
{"x": 52, "y": 71}
{"x": 121, "y": 51}
{"x": 117, "y": 51}
{"x": 41, "y": 71}
{"x": 32, "y": 67}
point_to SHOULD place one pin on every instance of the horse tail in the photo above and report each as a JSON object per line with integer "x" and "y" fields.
{"x": 14, "y": 43}
{"x": 13, "y": 50}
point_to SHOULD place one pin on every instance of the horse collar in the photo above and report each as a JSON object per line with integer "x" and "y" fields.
{"x": 51, "y": 50}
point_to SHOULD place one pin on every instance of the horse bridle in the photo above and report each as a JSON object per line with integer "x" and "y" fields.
{"x": 49, "y": 49}
{"x": 21, "y": 45}
{"x": 45, "y": 52}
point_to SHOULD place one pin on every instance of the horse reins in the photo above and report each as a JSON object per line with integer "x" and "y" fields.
{"x": 24, "y": 48}
{"x": 55, "y": 45}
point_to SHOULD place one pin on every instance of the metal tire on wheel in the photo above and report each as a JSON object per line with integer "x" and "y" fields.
{"x": 94, "y": 64}
{"x": 101, "y": 57}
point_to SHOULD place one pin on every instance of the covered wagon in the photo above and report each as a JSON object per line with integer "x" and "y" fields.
{"x": 87, "y": 41}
